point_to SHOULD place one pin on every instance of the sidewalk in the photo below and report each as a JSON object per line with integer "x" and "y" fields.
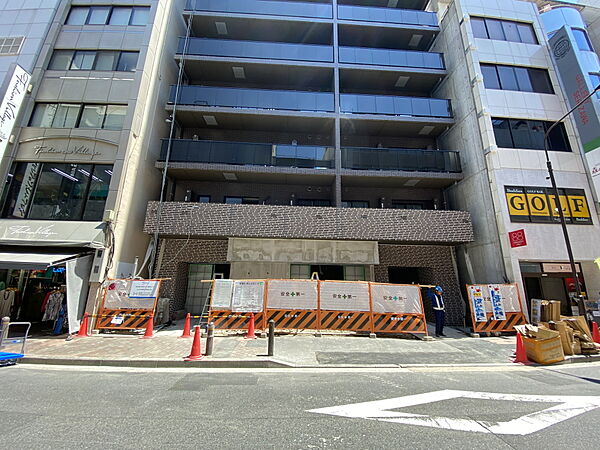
{"x": 166, "y": 349}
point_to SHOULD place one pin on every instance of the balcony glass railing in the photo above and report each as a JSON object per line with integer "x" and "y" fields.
{"x": 244, "y": 153}
{"x": 270, "y": 7}
{"x": 400, "y": 159}
{"x": 384, "y": 57}
{"x": 396, "y": 106}
{"x": 388, "y": 15}
{"x": 257, "y": 49}
{"x": 253, "y": 98}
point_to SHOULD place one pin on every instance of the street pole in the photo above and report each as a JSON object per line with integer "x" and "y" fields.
{"x": 558, "y": 205}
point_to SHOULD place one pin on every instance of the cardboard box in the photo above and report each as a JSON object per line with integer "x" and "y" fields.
{"x": 550, "y": 311}
{"x": 544, "y": 351}
{"x": 566, "y": 341}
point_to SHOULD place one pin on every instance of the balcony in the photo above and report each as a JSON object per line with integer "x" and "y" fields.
{"x": 397, "y": 58}
{"x": 383, "y": 159}
{"x": 396, "y": 106}
{"x": 256, "y": 49}
{"x": 259, "y": 7}
{"x": 253, "y": 98}
{"x": 387, "y": 15}
{"x": 244, "y": 153}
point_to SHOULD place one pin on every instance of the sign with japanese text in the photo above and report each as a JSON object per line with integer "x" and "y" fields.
{"x": 396, "y": 298}
{"x": 478, "y": 303}
{"x": 497, "y": 303}
{"x": 248, "y": 296}
{"x": 222, "y": 294}
{"x": 345, "y": 296}
{"x": 292, "y": 294}
{"x": 144, "y": 289}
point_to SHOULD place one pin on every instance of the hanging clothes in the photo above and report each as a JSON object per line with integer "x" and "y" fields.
{"x": 7, "y": 300}
{"x": 53, "y": 305}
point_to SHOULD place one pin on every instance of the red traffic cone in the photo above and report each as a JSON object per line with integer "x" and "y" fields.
{"x": 149, "y": 334}
{"x": 595, "y": 333}
{"x": 186, "y": 327}
{"x": 250, "y": 334}
{"x": 520, "y": 354}
{"x": 195, "y": 354}
{"x": 84, "y": 326}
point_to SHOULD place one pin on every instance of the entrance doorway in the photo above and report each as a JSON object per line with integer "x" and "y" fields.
{"x": 404, "y": 275}
{"x": 196, "y": 301}
{"x": 328, "y": 272}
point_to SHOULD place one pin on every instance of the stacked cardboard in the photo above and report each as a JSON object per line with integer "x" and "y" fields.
{"x": 542, "y": 344}
{"x": 550, "y": 311}
{"x": 582, "y": 336}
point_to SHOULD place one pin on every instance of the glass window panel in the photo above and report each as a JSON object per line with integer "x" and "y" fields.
{"x": 557, "y": 139}
{"x": 521, "y": 133}
{"x": 99, "y": 181}
{"x": 508, "y": 80}
{"x": 43, "y": 115}
{"x": 92, "y": 116}
{"x": 106, "y": 60}
{"x": 582, "y": 39}
{"x": 523, "y": 80}
{"x": 61, "y": 60}
{"x": 595, "y": 78}
{"x": 526, "y": 33}
{"x": 502, "y": 133}
{"x": 98, "y": 15}
{"x": 537, "y": 131}
{"x": 127, "y": 61}
{"x": 120, "y": 16}
{"x": 83, "y": 60}
{"x": 479, "y": 29}
{"x": 18, "y": 188}
{"x": 495, "y": 30}
{"x": 540, "y": 81}
{"x": 511, "y": 32}
{"x": 66, "y": 116}
{"x": 60, "y": 192}
{"x": 77, "y": 15}
{"x": 139, "y": 16}
{"x": 203, "y": 199}
{"x": 233, "y": 200}
{"x": 115, "y": 116}
{"x": 490, "y": 76}
{"x": 300, "y": 271}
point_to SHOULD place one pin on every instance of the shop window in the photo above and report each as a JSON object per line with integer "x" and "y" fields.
{"x": 108, "y": 15}
{"x": 57, "y": 191}
{"x": 355, "y": 204}
{"x": 300, "y": 271}
{"x": 354, "y": 273}
{"x": 581, "y": 37}
{"x": 65, "y": 115}
{"x": 503, "y": 30}
{"x": 529, "y": 134}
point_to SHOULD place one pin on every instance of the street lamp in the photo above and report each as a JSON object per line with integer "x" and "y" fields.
{"x": 563, "y": 223}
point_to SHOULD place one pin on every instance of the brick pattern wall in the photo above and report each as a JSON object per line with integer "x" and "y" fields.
{"x": 294, "y": 222}
{"x": 178, "y": 253}
{"x": 435, "y": 267}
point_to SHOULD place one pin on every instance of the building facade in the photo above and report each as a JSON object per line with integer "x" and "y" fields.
{"x": 80, "y": 168}
{"x": 306, "y": 139}
{"x": 506, "y": 94}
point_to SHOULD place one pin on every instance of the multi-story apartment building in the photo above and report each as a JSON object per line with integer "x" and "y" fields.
{"x": 506, "y": 94}
{"x": 305, "y": 140}
{"x": 80, "y": 170}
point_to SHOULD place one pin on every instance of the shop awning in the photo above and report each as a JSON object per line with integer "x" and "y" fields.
{"x": 53, "y": 234}
{"x": 32, "y": 261}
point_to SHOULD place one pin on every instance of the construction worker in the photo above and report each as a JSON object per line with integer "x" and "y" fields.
{"x": 437, "y": 303}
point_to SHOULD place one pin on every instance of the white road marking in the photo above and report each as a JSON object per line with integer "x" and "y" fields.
{"x": 568, "y": 407}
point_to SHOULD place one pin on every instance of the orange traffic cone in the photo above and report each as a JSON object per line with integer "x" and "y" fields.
{"x": 520, "y": 354}
{"x": 595, "y": 333}
{"x": 187, "y": 327}
{"x": 84, "y": 327}
{"x": 195, "y": 354}
{"x": 250, "y": 334}
{"x": 149, "y": 334}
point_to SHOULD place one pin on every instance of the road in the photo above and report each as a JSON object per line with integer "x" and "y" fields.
{"x": 71, "y": 407}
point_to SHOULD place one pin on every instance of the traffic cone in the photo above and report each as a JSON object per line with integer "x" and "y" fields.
{"x": 250, "y": 334}
{"x": 195, "y": 354}
{"x": 520, "y": 354}
{"x": 187, "y": 327}
{"x": 149, "y": 334}
{"x": 84, "y": 327}
{"x": 595, "y": 333}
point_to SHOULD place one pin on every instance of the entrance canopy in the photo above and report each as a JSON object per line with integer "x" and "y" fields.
{"x": 31, "y": 261}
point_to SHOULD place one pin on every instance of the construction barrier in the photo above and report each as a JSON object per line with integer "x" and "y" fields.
{"x": 495, "y": 308}
{"x": 318, "y": 305}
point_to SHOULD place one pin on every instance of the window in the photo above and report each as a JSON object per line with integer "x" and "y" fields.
{"x": 241, "y": 200}
{"x": 108, "y": 15}
{"x": 403, "y": 204}
{"x": 313, "y": 202}
{"x": 354, "y": 273}
{"x": 300, "y": 271}
{"x": 595, "y": 79}
{"x": 94, "y": 60}
{"x": 203, "y": 199}
{"x": 503, "y": 30}
{"x": 529, "y": 134}
{"x": 11, "y": 45}
{"x": 512, "y": 78}
{"x": 581, "y": 37}
{"x": 65, "y": 115}
{"x": 355, "y": 204}
{"x": 57, "y": 191}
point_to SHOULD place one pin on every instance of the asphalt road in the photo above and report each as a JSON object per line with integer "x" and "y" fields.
{"x": 54, "y": 407}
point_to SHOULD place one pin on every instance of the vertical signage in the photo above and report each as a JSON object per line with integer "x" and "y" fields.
{"x": 11, "y": 104}
{"x": 587, "y": 116}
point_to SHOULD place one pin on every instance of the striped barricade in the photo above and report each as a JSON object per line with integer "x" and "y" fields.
{"x": 122, "y": 319}
{"x": 293, "y": 304}
{"x": 495, "y": 308}
{"x": 229, "y": 320}
{"x": 397, "y": 308}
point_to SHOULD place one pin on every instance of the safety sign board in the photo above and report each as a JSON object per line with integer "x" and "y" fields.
{"x": 248, "y": 296}
{"x": 478, "y": 303}
{"x": 497, "y": 302}
{"x": 222, "y": 293}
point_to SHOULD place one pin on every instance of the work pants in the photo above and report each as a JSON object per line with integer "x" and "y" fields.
{"x": 440, "y": 318}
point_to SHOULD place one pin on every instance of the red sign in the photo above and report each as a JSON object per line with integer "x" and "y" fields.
{"x": 517, "y": 238}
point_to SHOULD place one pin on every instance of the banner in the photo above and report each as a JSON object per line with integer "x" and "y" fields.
{"x": 478, "y": 303}
{"x": 396, "y": 298}
{"x": 497, "y": 303}
{"x": 11, "y": 105}
{"x": 344, "y": 296}
{"x": 292, "y": 294}
{"x": 222, "y": 294}
{"x": 248, "y": 296}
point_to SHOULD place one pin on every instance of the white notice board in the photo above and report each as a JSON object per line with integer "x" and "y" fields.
{"x": 143, "y": 289}
{"x": 292, "y": 294}
{"x": 345, "y": 296}
{"x": 248, "y": 296}
{"x": 396, "y": 298}
{"x": 221, "y": 295}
